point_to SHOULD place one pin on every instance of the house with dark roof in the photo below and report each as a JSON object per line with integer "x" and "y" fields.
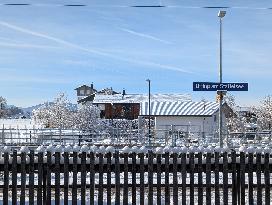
{"x": 85, "y": 91}
{"x": 127, "y": 106}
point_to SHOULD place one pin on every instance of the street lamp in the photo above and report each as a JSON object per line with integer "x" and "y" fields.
{"x": 149, "y": 108}
{"x": 221, "y": 14}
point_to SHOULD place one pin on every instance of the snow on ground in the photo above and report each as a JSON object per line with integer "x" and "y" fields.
{"x": 18, "y": 124}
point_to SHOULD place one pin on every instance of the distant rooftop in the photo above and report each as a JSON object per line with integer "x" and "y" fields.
{"x": 185, "y": 108}
{"x": 138, "y": 98}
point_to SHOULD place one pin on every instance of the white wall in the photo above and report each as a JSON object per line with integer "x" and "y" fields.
{"x": 189, "y": 123}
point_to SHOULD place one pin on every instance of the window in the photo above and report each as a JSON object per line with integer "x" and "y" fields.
{"x": 88, "y": 92}
{"x": 81, "y": 92}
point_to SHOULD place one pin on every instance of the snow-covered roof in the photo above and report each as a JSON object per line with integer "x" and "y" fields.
{"x": 186, "y": 108}
{"x": 138, "y": 98}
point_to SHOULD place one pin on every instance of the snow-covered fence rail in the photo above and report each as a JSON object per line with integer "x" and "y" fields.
{"x": 137, "y": 175}
{"x": 114, "y": 136}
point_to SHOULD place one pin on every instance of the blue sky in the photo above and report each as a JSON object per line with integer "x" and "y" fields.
{"x": 47, "y": 48}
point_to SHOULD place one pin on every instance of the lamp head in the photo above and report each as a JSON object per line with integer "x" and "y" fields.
{"x": 221, "y": 14}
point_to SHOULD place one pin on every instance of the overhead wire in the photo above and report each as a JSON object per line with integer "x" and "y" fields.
{"x": 136, "y": 6}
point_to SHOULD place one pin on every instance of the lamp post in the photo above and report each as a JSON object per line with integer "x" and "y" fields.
{"x": 221, "y": 14}
{"x": 149, "y": 108}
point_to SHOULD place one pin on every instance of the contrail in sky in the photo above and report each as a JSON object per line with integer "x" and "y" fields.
{"x": 145, "y": 35}
{"x": 97, "y": 52}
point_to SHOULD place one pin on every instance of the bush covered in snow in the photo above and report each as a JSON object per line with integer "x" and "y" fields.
{"x": 59, "y": 114}
{"x": 264, "y": 113}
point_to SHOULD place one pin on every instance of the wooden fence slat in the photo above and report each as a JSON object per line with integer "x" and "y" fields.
{"x": 259, "y": 179}
{"x": 31, "y": 177}
{"x": 225, "y": 178}
{"x": 159, "y": 179}
{"x": 192, "y": 177}
{"x": 175, "y": 179}
{"x": 14, "y": 178}
{"x": 234, "y": 177}
{"x": 250, "y": 179}
{"x": 66, "y": 177}
{"x": 57, "y": 178}
{"x": 142, "y": 187}
{"x": 48, "y": 178}
{"x": 108, "y": 178}
{"x": 100, "y": 182}
{"x": 92, "y": 176}
{"x": 40, "y": 179}
{"x": 242, "y": 178}
{"x": 6, "y": 178}
{"x": 133, "y": 178}
{"x": 74, "y": 185}
{"x": 44, "y": 181}
{"x": 83, "y": 178}
{"x": 167, "y": 189}
{"x": 150, "y": 177}
{"x": 23, "y": 178}
{"x": 216, "y": 178}
{"x": 117, "y": 178}
{"x": 200, "y": 178}
{"x": 208, "y": 179}
{"x": 267, "y": 179}
{"x": 183, "y": 177}
{"x": 125, "y": 188}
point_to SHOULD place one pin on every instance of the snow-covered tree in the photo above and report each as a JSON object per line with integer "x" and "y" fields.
{"x": 59, "y": 114}
{"x": 264, "y": 113}
{"x": 87, "y": 117}
{"x": 56, "y": 115}
{"x": 235, "y": 122}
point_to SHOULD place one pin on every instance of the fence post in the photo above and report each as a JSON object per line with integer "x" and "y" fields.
{"x": 166, "y": 187}
{"x": 48, "y": 178}
{"x": 234, "y": 178}
{"x": 66, "y": 177}
{"x": 133, "y": 177}
{"x": 117, "y": 178}
{"x": 175, "y": 179}
{"x": 208, "y": 178}
{"x": 159, "y": 179}
{"x": 225, "y": 177}
{"x": 6, "y": 178}
{"x": 83, "y": 178}
{"x": 250, "y": 178}
{"x": 200, "y": 182}
{"x": 40, "y": 179}
{"x": 192, "y": 177}
{"x": 14, "y": 178}
{"x": 142, "y": 187}
{"x": 100, "y": 185}
{"x": 109, "y": 178}
{"x": 150, "y": 177}
{"x": 57, "y": 177}
{"x": 125, "y": 188}
{"x": 216, "y": 176}
{"x": 74, "y": 185}
{"x": 92, "y": 177}
{"x": 23, "y": 177}
{"x": 259, "y": 179}
{"x": 31, "y": 177}
{"x": 242, "y": 178}
{"x": 183, "y": 176}
{"x": 267, "y": 177}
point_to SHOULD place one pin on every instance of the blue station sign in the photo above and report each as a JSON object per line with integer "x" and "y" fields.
{"x": 209, "y": 86}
